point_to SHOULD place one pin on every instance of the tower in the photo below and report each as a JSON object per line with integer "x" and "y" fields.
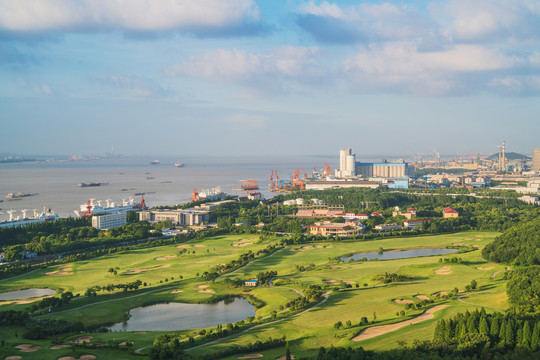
{"x": 536, "y": 160}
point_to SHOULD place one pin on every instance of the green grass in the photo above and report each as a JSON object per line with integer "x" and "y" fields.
{"x": 306, "y": 332}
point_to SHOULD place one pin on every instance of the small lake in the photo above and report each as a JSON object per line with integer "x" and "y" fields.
{"x": 182, "y": 316}
{"x": 25, "y": 294}
{"x": 401, "y": 254}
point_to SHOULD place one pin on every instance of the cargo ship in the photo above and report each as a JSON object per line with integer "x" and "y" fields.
{"x": 19, "y": 195}
{"x": 46, "y": 215}
{"x": 92, "y": 184}
{"x": 94, "y": 206}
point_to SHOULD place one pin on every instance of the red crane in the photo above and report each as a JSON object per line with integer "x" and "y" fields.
{"x": 195, "y": 195}
{"x": 327, "y": 170}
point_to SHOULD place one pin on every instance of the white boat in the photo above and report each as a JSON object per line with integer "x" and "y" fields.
{"x": 46, "y": 215}
{"x": 94, "y": 206}
{"x": 178, "y": 164}
{"x": 212, "y": 194}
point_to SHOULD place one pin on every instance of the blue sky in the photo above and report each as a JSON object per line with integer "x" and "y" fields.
{"x": 268, "y": 77}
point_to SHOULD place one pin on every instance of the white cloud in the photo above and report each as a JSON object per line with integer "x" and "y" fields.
{"x": 484, "y": 19}
{"x": 235, "y": 64}
{"x": 139, "y": 15}
{"x": 401, "y": 67}
{"x": 404, "y": 58}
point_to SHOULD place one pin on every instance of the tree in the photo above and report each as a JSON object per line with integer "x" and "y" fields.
{"x": 495, "y": 327}
{"x": 483, "y": 326}
{"x": 473, "y": 284}
{"x": 535, "y": 338}
{"x": 287, "y": 352}
{"x": 526, "y": 335}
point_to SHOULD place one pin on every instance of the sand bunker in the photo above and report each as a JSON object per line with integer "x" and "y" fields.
{"x": 383, "y": 329}
{"x": 334, "y": 267}
{"x": 166, "y": 257}
{"x": 176, "y": 291}
{"x": 250, "y": 356}
{"x": 82, "y": 339}
{"x": 242, "y": 244}
{"x": 401, "y": 301}
{"x": 484, "y": 268}
{"x": 84, "y": 357}
{"x": 477, "y": 239}
{"x": 13, "y": 357}
{"x": 296, "y": 250}
{"x": 199, "y": 246}
{"x": 28, "y": 347}
{"x": 183, "y": 246}
{"x": 62, "y": 271}
{"x": 207, "y": 291}
{"x": 421, "y": 297}
{"x": 445, "y": 270}
{"x": 58, "y": 347}
{"x": 137, "y": 271}
{"x": 330, "y": 282}
{"x": 140, "y": 332}
{"x": 203, "y": 286}
{"x": 319, "y": 247}
{"x": 468, "y": 239}
{"x": 349, "y": 282}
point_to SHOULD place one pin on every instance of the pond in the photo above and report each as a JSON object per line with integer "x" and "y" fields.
{"x": 182, "y": 316}
{"x": 25, "y": 294}
{"x": 401, "y": 254}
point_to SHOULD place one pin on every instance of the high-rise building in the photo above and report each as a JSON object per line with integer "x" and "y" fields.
{"x": 347, "y": 164}
{"x": 536, "y": 160}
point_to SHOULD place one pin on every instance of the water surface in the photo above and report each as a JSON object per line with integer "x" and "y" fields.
{"x": 182, "y": 316}
{"x": 402, "y": 254}
{"x": 25, "y": 294}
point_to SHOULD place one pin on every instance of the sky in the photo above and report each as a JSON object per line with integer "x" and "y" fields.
{"x": 269, "y": 77}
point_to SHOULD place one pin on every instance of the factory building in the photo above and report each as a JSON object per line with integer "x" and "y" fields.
{"x": 349, "y": 167}
{"x": 536, "y": 160}
{"x": 384, "y": 170}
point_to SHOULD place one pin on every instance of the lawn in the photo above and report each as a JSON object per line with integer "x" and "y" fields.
{"x": 298, "y": 266}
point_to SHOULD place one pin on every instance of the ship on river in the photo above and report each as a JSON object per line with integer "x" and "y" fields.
{"x": 94, "y": 206}
{"x": 46, "y": 215}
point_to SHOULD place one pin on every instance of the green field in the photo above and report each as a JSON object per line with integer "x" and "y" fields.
{"x": 306, "y": 332}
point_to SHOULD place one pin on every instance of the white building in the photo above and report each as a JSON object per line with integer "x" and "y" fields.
{"x": 177, "y": 217}
{"x": 347, "y": 164}
{"x": 109, "y": 221}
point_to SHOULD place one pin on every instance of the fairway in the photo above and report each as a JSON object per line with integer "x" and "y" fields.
{"x": 173, "y": 273}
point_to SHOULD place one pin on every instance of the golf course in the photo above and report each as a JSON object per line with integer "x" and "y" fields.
{"x": 376, "y": 304}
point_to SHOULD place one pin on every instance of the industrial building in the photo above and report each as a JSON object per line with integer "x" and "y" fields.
{"x": 349, "y": 167}
{"x": 347, "y": 164}
{"x": 185, "y": 217}
{"x": 109, "y": 221}
{"x": 335, "y": 184}
{"x": 536, "y": 160}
